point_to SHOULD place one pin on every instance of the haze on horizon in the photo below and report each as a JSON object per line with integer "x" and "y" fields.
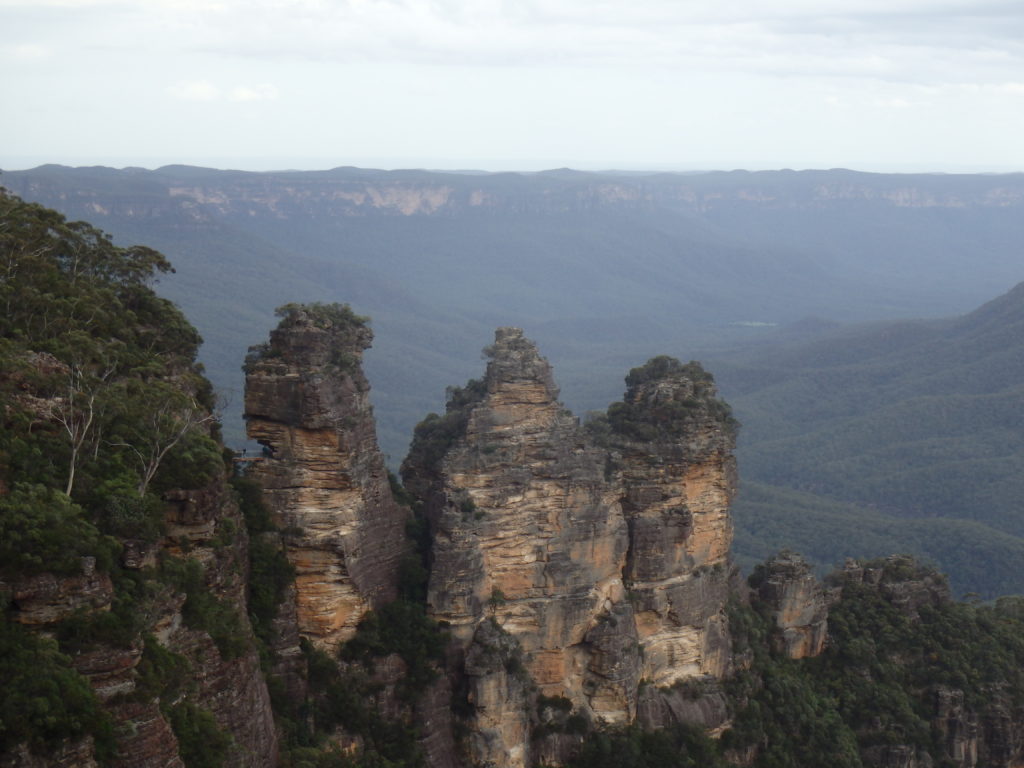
{"x": 899, "y": 85}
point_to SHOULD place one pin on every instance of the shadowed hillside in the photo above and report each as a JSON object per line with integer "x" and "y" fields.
{"x": 898, "y": 436}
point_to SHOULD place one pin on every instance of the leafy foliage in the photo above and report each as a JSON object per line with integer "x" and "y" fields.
{"x": 436, "y": 434}
{"x": 98, "y": 369}
{"x": 41, "y": 529}
{"x": 322, "y": 315}
{"x": 44, "y": 700}
{"x": 201, "y": 742}
{"x": 661, "y": 418}
{"x": 401, "y": 627}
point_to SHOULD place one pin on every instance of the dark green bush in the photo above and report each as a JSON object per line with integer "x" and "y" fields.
{"x": 42, "y": 530}
{"x": 44, "y": 701}
{"x": 201, "y": 742}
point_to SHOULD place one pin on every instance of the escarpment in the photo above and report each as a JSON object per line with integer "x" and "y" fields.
{"x": 579, "y": 562}
{"x": 124, "y": 557}
{"x": 323, "y": 476}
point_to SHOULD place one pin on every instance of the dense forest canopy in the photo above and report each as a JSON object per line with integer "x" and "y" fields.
{"x": 104, "y": 407}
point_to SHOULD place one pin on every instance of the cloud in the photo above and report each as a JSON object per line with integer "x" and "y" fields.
{"x": 195, "y": 90}
{"x": 913, "y": 41}
{"x": 29, "y": 52}
{"x": 902, "y": 40}
{"x": 261, "y": 92}
{"x": 204, "y": 90}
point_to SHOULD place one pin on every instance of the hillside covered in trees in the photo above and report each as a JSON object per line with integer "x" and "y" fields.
{"x": 123, "y": 557}
{"x": 890, "y": 437}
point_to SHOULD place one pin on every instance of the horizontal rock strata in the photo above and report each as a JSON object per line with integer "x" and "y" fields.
{"x": 577, "y": 564}
{"x": 307, "y": 402}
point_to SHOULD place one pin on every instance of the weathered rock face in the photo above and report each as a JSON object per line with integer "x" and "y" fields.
{"x": 324, "y": 477}
{"x": 564, "y": 565}
{"x": 798, "y": 602}
{"x": 902, "y": 581}
{"x": 674, "y": 445}
{"x": 46, "y": 598}
{"x": 228, "y": 686}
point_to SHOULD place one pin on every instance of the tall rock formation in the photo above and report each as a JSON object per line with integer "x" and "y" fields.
{"x": 673, "y": 440}
{"x": 307, "y": 402}
{"x": 566, "y": 561}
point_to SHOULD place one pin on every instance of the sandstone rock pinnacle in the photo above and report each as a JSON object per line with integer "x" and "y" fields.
{"x": 564, "y": 560}
{"x": 307, "y": 403}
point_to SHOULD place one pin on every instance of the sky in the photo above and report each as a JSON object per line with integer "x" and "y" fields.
{"x": 884, "y": 85}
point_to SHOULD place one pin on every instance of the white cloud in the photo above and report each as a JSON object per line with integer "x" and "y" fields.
{"x": 261, "y": 92}
{"x": 204, "y": 90}
{"x": 195, "y": 90}
{"x": 29, "y": 52}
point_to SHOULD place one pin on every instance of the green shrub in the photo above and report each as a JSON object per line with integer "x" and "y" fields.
{"x": 401, "y": 627}
{"x": 44, "y": 701}
{"x": 254, "y": 509}
{"x": 202, "y": 610}
{"x": 270, "y": 573}
{"x": 42, "y": 530}
{"x": 201, "y": 742}
{"x": 161, "y": 673}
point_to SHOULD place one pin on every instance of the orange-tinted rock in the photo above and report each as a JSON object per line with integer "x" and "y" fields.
{"x": 573, "y": 565}
{"x": 798, "y": 602}
{"x": 323, "y": 475}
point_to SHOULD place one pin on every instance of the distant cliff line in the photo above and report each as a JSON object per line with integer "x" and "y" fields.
{"x": 369, "y": 192}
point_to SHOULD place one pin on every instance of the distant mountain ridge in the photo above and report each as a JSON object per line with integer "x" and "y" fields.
{"x": 356, "y": 191}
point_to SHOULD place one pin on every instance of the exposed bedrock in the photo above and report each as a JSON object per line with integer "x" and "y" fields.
{"x": 576, "y": 563}
{"x": 323, "y": 475}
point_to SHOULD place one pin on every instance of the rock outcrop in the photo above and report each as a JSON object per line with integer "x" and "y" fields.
{"x": 902, "y": 581}
{"x": 569, "y": 562}
{"x": 673, "y": 441}
{"x": 307, "y": 403}
{"x": 798, "y": 603}
{"x": 226, "y": 683}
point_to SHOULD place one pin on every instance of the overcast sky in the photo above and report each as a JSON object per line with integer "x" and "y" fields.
{"x": 524, "y": 84}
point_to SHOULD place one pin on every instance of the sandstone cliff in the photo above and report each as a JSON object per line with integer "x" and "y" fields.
{"x": 116, "y": 655}
{"x": 307, "y": 403}
{"x": 673, "y": 440}
{"x": 570, "y": 566}
{"x": 798, "y": 603}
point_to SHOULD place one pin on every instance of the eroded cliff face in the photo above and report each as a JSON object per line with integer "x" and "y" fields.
{"x": 567, "y": 563}
{"x": 798, "y": 602}
{"x": 204, "y": 527}
{"x": 307, "y": 402}
{"x": 675, "y": 450}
